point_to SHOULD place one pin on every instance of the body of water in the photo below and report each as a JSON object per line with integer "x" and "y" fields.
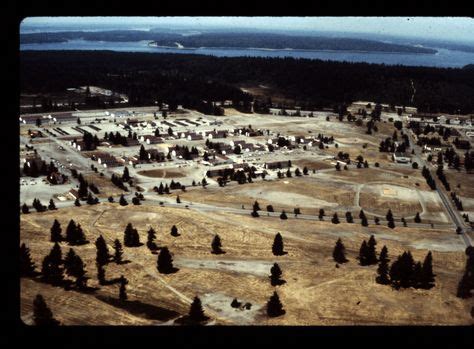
{"x": 443, "y": 58}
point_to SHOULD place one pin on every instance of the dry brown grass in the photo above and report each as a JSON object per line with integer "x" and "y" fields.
{"x": 316, "y": 293}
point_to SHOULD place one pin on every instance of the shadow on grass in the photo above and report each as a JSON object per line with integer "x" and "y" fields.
{"x": 187, "y": 321}
{"x": 144, "y": 310}
{"x": 168, "y": 271}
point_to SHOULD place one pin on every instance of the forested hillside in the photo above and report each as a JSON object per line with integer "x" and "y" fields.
{"x": 187, "y": 79}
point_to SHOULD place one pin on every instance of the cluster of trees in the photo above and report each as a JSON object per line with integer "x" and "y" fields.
{"x": 116, "y": 138}
{"x": 457, "y": 201}
{"x": 31, "y": 168}
{"x": 131, "y": 237}
{"x": 404, "y": 271}
{"x": 429, "y": 179}
{"x": 189, "y": 79}
{"x": 118, "y": 182}
{"x": 466, "y": 284}
{"x": 442, "y": 177}
{"x": 90, "y": 141}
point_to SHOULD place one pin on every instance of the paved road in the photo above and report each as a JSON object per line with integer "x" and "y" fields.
{"x": 448, "y": 205}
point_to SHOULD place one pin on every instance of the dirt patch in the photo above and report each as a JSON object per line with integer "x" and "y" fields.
{"x": 161, "y": 173}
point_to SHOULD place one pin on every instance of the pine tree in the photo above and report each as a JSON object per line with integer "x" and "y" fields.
{"x": 126, "y": 174}
{"x": 74, "y": 266}
{"x": 196, "y": 313}
{"x": 417, "y": 218}
{"x": 42, "y": 315}
{"x": 389, "y": 215}
{"x": 27, "y": 266}
{"x": 216, "y": 245}
{"x": 371, "y": 253}
{"x": 417, "y": 275}
{"x": 174, "y": 231}
{"x": 256, "y": 206}
{"x": 428, "y": 277}
{"x": 77, "y": 202}
{"x": 274, "y": 306}
{"x": 51, "y": 268}
{"x": 283, "y": 215}
{"x": 25, "y": 209}
{"x": 364, "y": 222}
{"x": 276, "y": 275}
{"x": 383, "y": 268}
{"x": 339, "y": 253}
{"x": 51, "y": 205}
{"x": 391, "y": 224}
{"x": 118, "y": 251}
{"x": 122, "y": 290}
{"x": 165, "y": 261}
{"x": 102, "y": 256}
{"x": 335, "y": 219}
{"x": 363, "y": 254}
{"x": 178, "y": 200}
{"x": 122, "y": 201}
{"x": 56, "y": 232}
{"x": 277, "y": 247}
{"x": 131, "y": 236}
{"x": 71, "y": 231}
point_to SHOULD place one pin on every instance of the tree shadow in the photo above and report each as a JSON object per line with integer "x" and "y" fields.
{"x": 144, "y": 310}
{"x": 187, "y": 321}
{"x": 171, "y": 270}
{"x": 123, "y": 262}
{"x": 277, "y": 282}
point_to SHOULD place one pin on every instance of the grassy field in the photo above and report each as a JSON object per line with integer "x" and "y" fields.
{"x": 316, "y": 292}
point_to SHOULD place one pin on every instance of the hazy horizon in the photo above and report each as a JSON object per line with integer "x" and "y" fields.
{"x": 455, "y": 29}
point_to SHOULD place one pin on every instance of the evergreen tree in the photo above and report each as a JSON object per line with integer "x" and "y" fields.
{"x": 178, "y": 200}
{"x": 126, "y": 174}
{"x": 383, "y": 268}
{"x": 401, "y": 271}
{"x": 277, "y": 247}
{"x": 27, "y": 266}
{"x": 321, "y": 214}
{"x": 56, "y": 232}
{"x": 74, "y": 267}
{"x": 417, "y": 218}
{"x": 196, "y": 313}
{"x": 274, "y": 306}
{"x": 165, "y": 262}
{"x": 118, "y": 251}
{"x": 335, "y": 218}
{"x": 216, "y": 245}
{"x": 371, "y": 254}
{"x": 389, "y": 215}
{"x": 51, "y": 268}
{"x": 428, "y": 277}
{"x": 174, "y": 231}
{"x": 276, "y": 275}
{"x": 102, "y": 251}
{"x": 42, "y": 315}
{"x": 417, "y": 275}
{"x": 391, "y": 224}
{"x": 363, "y": 254}
{"x": 131, "y": 236}
{"x": 256, "y": 206}
{"x": 339, "y": 253}
{"x": 151, "y": 239}
{"x": 122, "y": 201}
{"x": 283, "y": 215}
{"x": 51, "y": 205}
{"x": 77, "y": 203}
{"x": 25, "y": 209}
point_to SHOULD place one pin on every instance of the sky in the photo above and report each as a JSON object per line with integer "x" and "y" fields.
{"x": 445, "y": 28}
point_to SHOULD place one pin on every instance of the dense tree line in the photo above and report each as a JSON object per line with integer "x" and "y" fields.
{"x": 190, "y": 79}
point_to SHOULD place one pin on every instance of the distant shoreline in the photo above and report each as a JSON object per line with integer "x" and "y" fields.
{"x": 150, "y": 44}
